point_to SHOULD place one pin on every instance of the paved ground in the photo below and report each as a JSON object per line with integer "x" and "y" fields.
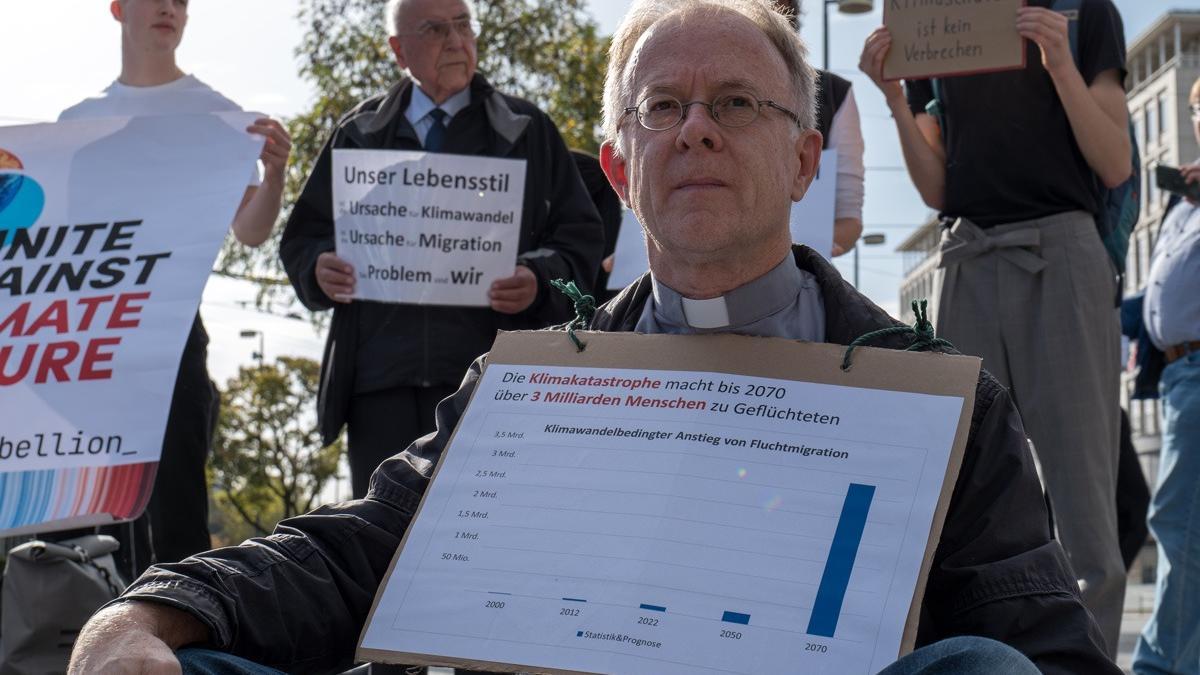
{"x": 1139, "y": 600}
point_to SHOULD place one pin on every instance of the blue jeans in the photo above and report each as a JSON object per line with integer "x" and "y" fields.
{"x": 963, "y": 656}
{"x": 209, "y": 662}
{"x": 1170, "y": 642}
{"x": 955, "y": 656}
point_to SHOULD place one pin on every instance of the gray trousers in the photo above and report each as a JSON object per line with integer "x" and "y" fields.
{"x": 1035, "y": 300}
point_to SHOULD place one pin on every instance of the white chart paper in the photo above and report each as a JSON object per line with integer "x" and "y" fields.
{"x": 633, "y": 521}
{"x": 427, "y": 228}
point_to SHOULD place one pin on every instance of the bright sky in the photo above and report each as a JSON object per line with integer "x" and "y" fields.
{"x": 245, "y": 48}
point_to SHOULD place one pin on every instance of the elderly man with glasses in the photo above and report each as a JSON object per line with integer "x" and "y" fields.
{"x": 387, "y": 365}
{"x": 708, "y": 121}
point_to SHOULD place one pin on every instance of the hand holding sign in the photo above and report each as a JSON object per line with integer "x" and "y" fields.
{"x": 1049, "y": 30}
{"x": 276, "y": 150}
{"x": 335, "y": 277}
{"x": 510, "y": 295}
{"x": 875, "y": 51}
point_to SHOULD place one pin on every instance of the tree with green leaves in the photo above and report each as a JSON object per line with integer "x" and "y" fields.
{"x": 268, "y": 463}
{"x": 547, "y": 51}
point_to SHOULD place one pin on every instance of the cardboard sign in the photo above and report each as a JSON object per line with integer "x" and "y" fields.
{"x": 934, "y": 38}
{"x": 678, "y": 504}
{"x": 106, "y": 242}
{"x": 426, "y": 228}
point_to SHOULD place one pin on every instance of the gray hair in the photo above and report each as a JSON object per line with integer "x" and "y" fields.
{"x": 391, "y": 15}
{"x": 618, "y": 81}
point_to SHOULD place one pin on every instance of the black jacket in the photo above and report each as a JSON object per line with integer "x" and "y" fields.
{"x": 297, "y": 600}
{"x": 410, "y": 345}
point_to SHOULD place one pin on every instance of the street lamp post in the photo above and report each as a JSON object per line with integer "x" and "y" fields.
{"x": 866, "y": 240}
{"x": 261, "y": 343}
{"x": 845, "y": 7}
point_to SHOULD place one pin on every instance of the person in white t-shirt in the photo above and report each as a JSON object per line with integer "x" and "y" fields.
{"x": 838, "y": 121}
{"x": 151, "y": 83}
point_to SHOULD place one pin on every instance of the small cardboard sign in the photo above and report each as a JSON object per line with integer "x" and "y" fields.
{"x": 937, "y": 38}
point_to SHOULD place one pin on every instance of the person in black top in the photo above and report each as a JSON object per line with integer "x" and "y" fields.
{"x": 1017, "y": 164}
{"x": 387, "y": 365}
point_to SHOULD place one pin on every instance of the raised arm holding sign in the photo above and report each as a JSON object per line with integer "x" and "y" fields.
{"x": 1029, "y": 166}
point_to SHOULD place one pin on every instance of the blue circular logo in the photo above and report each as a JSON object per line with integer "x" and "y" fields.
{"x": 21, "y": 198}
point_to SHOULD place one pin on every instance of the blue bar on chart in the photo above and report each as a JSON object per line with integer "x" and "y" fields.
{"x": 842, "y": 552}
{"x": 574, "y": 600}
{"x": 654, "y": 608}
{"x": 735, "y": 617}
{"x": 498, "y": 593}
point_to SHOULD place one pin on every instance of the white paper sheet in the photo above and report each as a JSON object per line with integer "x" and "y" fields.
{"x": 426, "y": 228}
{"x": 812, "y": 217}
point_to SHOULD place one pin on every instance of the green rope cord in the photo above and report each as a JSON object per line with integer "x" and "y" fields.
{"x": 585, "y": 307}
{"x": 922, "y": 329}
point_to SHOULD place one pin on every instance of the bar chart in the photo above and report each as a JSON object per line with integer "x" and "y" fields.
{"x": 665, "y": 543}
{"x": 831, "y": 591}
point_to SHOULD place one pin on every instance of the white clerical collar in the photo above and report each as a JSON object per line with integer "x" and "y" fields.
{"x": 710, "y": 313}
{"x": 420, "y": 104}
{"x": 750, "y": 302}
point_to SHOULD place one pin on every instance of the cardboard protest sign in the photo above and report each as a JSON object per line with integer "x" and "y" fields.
{"x": 106, "y": 241}
{"x": 570, "y": 525}
{"x": 938, "y": 38}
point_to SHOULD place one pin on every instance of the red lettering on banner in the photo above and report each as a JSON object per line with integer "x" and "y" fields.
{"x": 52, "y": 361}
{"x": 66, "y": 360}
{"x": 6, "y": 353}
{"x": 56, "y": 361}
{"x": 54, "y": 317}
{"x": 91, "y": 304}
{"x": 122, "y": 308}
{"x": 92, "y": 355}
{"x": 65, "y": 316}
{"x": 15, "y": 322}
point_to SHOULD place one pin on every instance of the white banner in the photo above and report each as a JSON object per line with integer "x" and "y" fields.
{"x": 811, "y": 224}
{"x": 108, "y": 230}
{"x": 427, "y": 229}
{"x": 813, "y": 217}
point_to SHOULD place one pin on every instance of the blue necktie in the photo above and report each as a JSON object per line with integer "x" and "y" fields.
{"x": 435, "y": 138}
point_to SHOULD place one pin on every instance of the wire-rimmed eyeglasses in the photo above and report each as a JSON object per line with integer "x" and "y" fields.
{"x": 660, "y": 112}
{"x": 440, "y": 30}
